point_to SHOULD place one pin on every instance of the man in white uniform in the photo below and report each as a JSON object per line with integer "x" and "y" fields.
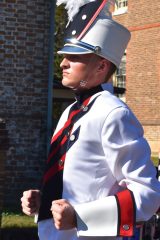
{"x": 99, "y": 179}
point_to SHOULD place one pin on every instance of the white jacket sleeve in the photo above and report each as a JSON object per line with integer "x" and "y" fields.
{"x": 128, "y": 156}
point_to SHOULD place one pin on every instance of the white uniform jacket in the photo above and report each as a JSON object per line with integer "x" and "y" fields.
{"x": 108, "y": 154}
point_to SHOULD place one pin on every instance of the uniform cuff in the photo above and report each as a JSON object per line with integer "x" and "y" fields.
{"x": 109, "y": 216}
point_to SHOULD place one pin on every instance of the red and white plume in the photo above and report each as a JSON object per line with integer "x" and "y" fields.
{"x": 73, "y": 6}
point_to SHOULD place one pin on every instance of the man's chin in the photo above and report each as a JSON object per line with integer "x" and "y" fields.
{"x": 67, "y": 84}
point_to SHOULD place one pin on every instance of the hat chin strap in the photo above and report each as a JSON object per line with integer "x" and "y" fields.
{"x": 75, "y": 42}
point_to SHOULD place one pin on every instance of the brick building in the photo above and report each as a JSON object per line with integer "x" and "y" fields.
{"x": 24, "y": 37}
{"x": 142, "y": 18}
{"x": 24, "y": 85}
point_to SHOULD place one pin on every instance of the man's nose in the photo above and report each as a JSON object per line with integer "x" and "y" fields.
{"x": 64, "y": 63}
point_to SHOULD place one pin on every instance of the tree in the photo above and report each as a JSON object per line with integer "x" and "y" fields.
{"x": 60, "y": 23}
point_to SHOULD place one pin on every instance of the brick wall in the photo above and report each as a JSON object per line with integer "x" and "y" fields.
{"x": 143, "y": 61}
{"x": 4, "y": 144}
{"x": 24, "y": 35}
{"x": 152, "y": 134}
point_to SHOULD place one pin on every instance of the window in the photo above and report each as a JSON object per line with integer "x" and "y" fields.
{"x": 121, "y": 7}
{"x": 119, "y": 78}
{"x": 122, "y": 4}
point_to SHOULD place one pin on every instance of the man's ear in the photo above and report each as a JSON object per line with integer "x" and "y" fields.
{"x": 104, "y": 65}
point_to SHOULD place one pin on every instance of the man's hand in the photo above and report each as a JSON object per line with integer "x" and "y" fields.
{"x": 30, "y": 202}
{"x": 63, "y": 214}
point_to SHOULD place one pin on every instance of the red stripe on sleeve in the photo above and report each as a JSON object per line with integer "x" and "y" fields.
{"x": 126, "y": 203}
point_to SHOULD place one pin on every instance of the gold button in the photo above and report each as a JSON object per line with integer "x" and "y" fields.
{"x": 67, "y": 134}
{"x": 84, "y": 17}
{"x": 72, "y": 137}
{"x": 85, "y": 109}
{"x": 126, "y": 227}
{"x": 74, "y": 32}
{"x": 61, "y": 162}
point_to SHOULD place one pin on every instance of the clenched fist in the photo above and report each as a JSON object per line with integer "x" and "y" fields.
{"x": 63, "y": 214}
{"x": 30, "y": 202}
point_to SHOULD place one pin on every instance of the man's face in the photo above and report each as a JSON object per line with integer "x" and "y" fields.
{"x": 78, "y": 68}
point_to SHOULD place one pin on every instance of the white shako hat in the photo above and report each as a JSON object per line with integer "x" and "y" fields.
{"x": 92, "y": 30}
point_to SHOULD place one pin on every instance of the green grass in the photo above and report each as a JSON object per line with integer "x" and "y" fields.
{"x": 15, "y": 220}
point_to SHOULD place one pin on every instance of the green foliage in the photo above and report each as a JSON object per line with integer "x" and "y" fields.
{"x": 155, "y": 160}
{"x": 60, "y": 24}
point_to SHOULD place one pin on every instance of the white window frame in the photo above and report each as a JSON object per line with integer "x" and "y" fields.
{"x": 121, "y": 7}
{"x": 119, "y": 78}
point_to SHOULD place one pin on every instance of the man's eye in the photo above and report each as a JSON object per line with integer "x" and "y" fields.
{"x": 73, "y": 58}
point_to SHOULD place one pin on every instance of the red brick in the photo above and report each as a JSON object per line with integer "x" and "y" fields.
{"x": 143, "y": 61}
{"x": 23, "y": 106}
